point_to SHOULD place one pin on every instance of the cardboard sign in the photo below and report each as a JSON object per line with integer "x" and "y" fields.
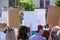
{"x": 53, "y": 15}
{"x": 59, "y": 22}
{"x": 13, "y": 17}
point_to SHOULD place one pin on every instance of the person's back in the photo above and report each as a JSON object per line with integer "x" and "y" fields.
{"x": 2, "y": 29}
{"x": 38, "y": 35}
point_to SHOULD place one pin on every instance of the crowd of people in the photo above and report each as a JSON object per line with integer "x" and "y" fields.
{"x": 23, "y": 33}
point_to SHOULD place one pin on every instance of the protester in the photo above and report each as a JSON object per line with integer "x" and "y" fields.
{"x": 38, "y": 34}
{"x": 10, "y": 34}
{"x": 54, "y": 33}
{"x": 58, "y": 34}
{"x": 23, "y": 33}
{"x": 46, "y": 34}
{"x": 3, "y": 27}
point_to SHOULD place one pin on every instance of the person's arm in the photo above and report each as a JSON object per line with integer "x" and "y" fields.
{"x": 33, "y": 38}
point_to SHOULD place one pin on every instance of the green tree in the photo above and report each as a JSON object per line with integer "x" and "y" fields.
{"x": 29, "y": 6}
{"x": 57, "y": 3}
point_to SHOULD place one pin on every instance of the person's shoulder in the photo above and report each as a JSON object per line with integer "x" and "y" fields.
{"x": 32, "y": 37}
{"x": 44, "y": 38}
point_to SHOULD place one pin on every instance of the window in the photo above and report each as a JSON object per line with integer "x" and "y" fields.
{"x": 41, "y": 3}
{"x": 47, "y": 3}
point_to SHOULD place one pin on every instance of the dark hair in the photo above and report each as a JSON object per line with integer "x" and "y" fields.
{"x": 40, "y": 27}
{"x": 5, "y": 31}
{"x": 46, "y": 34}
{"x": 22, "y": 33}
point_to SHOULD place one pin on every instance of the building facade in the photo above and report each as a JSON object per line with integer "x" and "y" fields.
{"x": 43, "y": 3}
{"x": 3, "y": 3}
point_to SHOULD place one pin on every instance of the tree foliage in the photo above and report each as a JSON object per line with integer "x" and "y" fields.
{"x": 29, "y": 6}
{"x": 57, "y": 3}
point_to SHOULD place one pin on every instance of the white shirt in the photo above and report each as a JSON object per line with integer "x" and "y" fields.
{"x": 2, "y": 36}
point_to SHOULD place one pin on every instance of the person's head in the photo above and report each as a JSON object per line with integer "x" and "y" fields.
{"x": 10, "y": 35}
{"x": 22, "y": 33}
{"x": 55, "y": 30}
{"x": 3, "y": 26}
{"x": 46, "y": 34}
{"x": 40, "y": 29}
